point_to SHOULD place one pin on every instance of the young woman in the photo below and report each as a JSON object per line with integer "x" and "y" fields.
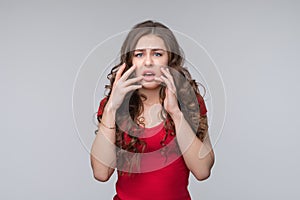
{"x": 152, "y": 124}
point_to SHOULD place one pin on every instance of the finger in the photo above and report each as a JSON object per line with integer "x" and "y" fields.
{"x": 167, "y": 73}
{"x": 132, "y": 87}
{"x": 169, "y": 76}
{"x": 120, "y": 71}
{"x": 128, "y": 72}
{"x": 166, "y": 81}
{"x": 158, "y": 79}
{"x": 169, "y": 84}
{"x": 133, "y": 80}
{"x": 167, "y": 95}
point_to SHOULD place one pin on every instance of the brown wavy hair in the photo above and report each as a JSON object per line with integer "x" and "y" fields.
{"x": 187, "y": 94}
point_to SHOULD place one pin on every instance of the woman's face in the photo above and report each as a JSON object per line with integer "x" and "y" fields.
{"x": 149, "y": 56}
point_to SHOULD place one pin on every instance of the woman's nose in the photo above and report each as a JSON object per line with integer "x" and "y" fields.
{"x": 148, "y": 60}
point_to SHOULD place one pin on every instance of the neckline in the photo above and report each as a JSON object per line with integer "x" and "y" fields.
{"x": 155, "y": 126}
{"x": 151, "y": 131}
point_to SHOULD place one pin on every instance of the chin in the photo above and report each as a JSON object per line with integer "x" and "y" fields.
{"x": 150, "y": 85}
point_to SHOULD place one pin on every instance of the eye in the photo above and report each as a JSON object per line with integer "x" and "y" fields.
{"x": 138, "y": 55}
{"x": 157, "y": 54}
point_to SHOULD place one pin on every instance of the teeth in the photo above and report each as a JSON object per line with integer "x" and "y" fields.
{"x": 148, "y": 74}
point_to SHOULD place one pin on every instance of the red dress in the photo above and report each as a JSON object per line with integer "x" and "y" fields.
{"x": 162, "y": 176}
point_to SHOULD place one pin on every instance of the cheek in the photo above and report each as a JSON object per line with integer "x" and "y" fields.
{"x": 136, "y": 62}
{"x": 161, "y": 61}
{"x": 133, "y": 61}
{"x": 165, "y": 60}
{"x": 138, "y": 71}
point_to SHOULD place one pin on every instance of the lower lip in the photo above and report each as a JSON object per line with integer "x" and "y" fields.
{"x": 148, "y": 78}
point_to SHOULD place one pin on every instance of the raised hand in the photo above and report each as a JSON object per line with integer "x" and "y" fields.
{"x": 122, "y": 85}
{"x": 170, "y": 102}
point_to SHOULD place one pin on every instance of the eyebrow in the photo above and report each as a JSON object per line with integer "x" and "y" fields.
{"x": 155, "y": 49}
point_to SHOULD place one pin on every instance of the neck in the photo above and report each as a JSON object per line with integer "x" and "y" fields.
{"x": 152, "y": 95}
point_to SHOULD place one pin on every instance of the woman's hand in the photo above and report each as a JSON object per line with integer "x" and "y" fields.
{"x": 170, "y": 102}
{"x": 121, "y": 86}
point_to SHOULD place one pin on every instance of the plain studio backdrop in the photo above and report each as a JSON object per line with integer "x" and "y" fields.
{"x": 255, "y": 45}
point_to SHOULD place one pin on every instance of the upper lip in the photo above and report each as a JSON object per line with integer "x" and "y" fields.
{"x": 148, "y": 71}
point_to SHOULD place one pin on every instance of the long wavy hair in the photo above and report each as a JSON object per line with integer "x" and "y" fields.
{"x": 127, "y": 121}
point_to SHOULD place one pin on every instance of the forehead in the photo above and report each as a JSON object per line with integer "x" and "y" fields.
{"x": 150, "y": 42}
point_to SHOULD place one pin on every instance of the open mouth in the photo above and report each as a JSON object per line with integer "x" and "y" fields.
{"x": 149, "y": 75}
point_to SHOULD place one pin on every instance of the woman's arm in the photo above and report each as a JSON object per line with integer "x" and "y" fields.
{"x": 103, "y": 155}
{"x": 103, "y": 152}
{"x": 198, "y": 155}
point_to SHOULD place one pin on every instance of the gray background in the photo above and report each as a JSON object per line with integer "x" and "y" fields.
{"x": 255, "y": 44}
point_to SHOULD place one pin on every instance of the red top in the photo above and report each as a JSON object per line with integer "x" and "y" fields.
{"x": 162, "y": 176}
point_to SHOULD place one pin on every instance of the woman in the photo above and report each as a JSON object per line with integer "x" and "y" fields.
{"x": 152, "y": 124}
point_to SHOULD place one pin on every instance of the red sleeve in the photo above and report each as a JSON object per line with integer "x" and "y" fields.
{"x": 101, "y": 107}
{"x": 202, "y": 106}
